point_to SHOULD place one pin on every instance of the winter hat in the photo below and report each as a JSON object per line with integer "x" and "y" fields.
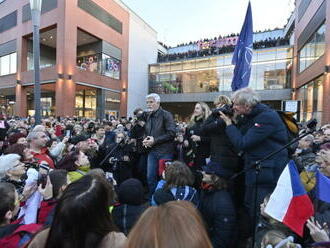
{"x": 217, "y": 169}
{"x": 8, "y": 162}
{"x": 130, "y": 192}
{"x": 160, "y": 196}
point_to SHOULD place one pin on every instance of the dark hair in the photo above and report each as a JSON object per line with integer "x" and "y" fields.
{"x": 16, "y": 149}
{"x": 178, "y": 174}
{"x": 218, "y": 182}
{"x": 7, "y": 196}
{"x": 13, "y": 138}
{"x": 68, "y": 162}
{"x": 58, "y": 178}
{"x": 82, "y": 217}
{"x": 99, "y": 127}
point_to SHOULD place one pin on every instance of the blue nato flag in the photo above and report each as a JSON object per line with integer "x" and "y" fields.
{"x": 243, "y": 54}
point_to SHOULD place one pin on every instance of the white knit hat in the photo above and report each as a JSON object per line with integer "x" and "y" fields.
{"x": 8, "y": 162}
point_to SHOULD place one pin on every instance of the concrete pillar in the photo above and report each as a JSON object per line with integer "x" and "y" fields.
{"x": 66, "y": 53}
{"x": 21, "y": 101}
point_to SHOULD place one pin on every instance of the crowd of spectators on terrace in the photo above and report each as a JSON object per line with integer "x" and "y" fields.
{"x": 198, "y": 50}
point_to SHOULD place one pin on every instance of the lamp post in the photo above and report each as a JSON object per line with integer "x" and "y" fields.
{"x": 35, "y": 14}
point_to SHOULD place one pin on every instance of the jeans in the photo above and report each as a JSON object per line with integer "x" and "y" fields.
{"x": 152, "y": 168}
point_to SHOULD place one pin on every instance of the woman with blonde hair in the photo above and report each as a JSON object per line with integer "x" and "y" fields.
{"x": 173, "y": 224}
{"x": 198, "y": 143}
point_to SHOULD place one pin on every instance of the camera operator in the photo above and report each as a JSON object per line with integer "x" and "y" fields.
{"x": 260, "y": 132}
{"x": 120, "y": 159}
{"x": 160, "y": 132}
{"x": 137, "y": 135}
{"x": 222, "y": 152}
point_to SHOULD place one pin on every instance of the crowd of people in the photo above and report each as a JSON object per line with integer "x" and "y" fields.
{"x": 213, "y": 49}
{"x": 149, "y": 181}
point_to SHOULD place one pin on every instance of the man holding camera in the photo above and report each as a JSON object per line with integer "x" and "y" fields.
{"x": 222, "y": 152}
{"x": 160, "y": 133}
{"x": 261, "y": 131}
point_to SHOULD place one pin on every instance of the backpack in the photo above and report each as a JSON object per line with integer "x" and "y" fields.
{"x": 292, "y": 128}
{"x": 290, "y": 123}
{"x": 20, "y": 237}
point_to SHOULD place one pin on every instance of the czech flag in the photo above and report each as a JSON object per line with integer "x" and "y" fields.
{"x": 289, "y": 203}
{"x": 322, "y": 187}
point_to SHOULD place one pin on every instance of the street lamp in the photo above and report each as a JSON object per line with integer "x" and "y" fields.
{"x": 35, "y": 6}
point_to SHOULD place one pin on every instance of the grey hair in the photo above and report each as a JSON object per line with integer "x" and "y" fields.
{"x": 38, "y": 128}
{"x": 154, "y": 96}
{"x": 309, "y": 138}
{"x": 33, "y": 135}
{"x": 245, "y": 96}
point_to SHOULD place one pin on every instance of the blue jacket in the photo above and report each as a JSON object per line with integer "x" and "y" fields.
{"x": 260, "y": 133}
{"x": 218, "y": 211}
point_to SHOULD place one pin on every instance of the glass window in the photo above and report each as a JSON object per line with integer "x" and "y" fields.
{"x": 154, "y": 68}
{"x": 5, "y": 65}
{"x": 311, "y": 97}
{"x": 189, "y": 64}
{"x": 89, "y": 63}
{"x": 110, "y": 66}
{"x": 213, "y": 74}
{"x": 202, "y": 63}
{"x": 176, "y": 66}
{"x": 313, "y": 49}
{"x": 13, "y": 63}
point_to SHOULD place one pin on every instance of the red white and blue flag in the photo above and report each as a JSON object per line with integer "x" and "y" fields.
{"x": 322, "y": 187}
{"x": 289, "y": 203}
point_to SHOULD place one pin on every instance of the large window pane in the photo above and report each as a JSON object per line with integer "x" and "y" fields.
{"x": 13, "y": 63}
{"x": 5, "y": 66}
{"x": 313, "y": 49}
{"x": 311, "y": 97}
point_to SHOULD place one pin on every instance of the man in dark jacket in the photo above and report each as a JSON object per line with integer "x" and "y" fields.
{"x": 160, "y": 133}
{"x": 261, "y": 132}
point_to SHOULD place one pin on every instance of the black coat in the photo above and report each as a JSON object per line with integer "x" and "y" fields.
{"x": 3, "y": 131}
{"x": 221, "y": 149}
{"x": 121, "y": 169}
{"x": 137, "y": 132}
{"x": 201, "y": 149}
{"x": 125, "y": 216}
{"x": 161, "y": 126}
{"x": 218, "y": 211}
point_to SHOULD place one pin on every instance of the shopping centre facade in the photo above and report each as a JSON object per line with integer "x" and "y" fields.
{"x": 298, "y": 71}
{"x": 99, "y": 58}
{"x": 182, "y": 83}
{"x": 88, "y": 50}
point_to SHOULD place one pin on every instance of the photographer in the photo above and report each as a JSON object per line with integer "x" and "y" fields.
{"x": 120, "y": 159}
{"x": 222, "y": 151}
{"x": 260, "y": 132}
{"x": 137, "y": 136}
{"x": 160, "y": 132}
